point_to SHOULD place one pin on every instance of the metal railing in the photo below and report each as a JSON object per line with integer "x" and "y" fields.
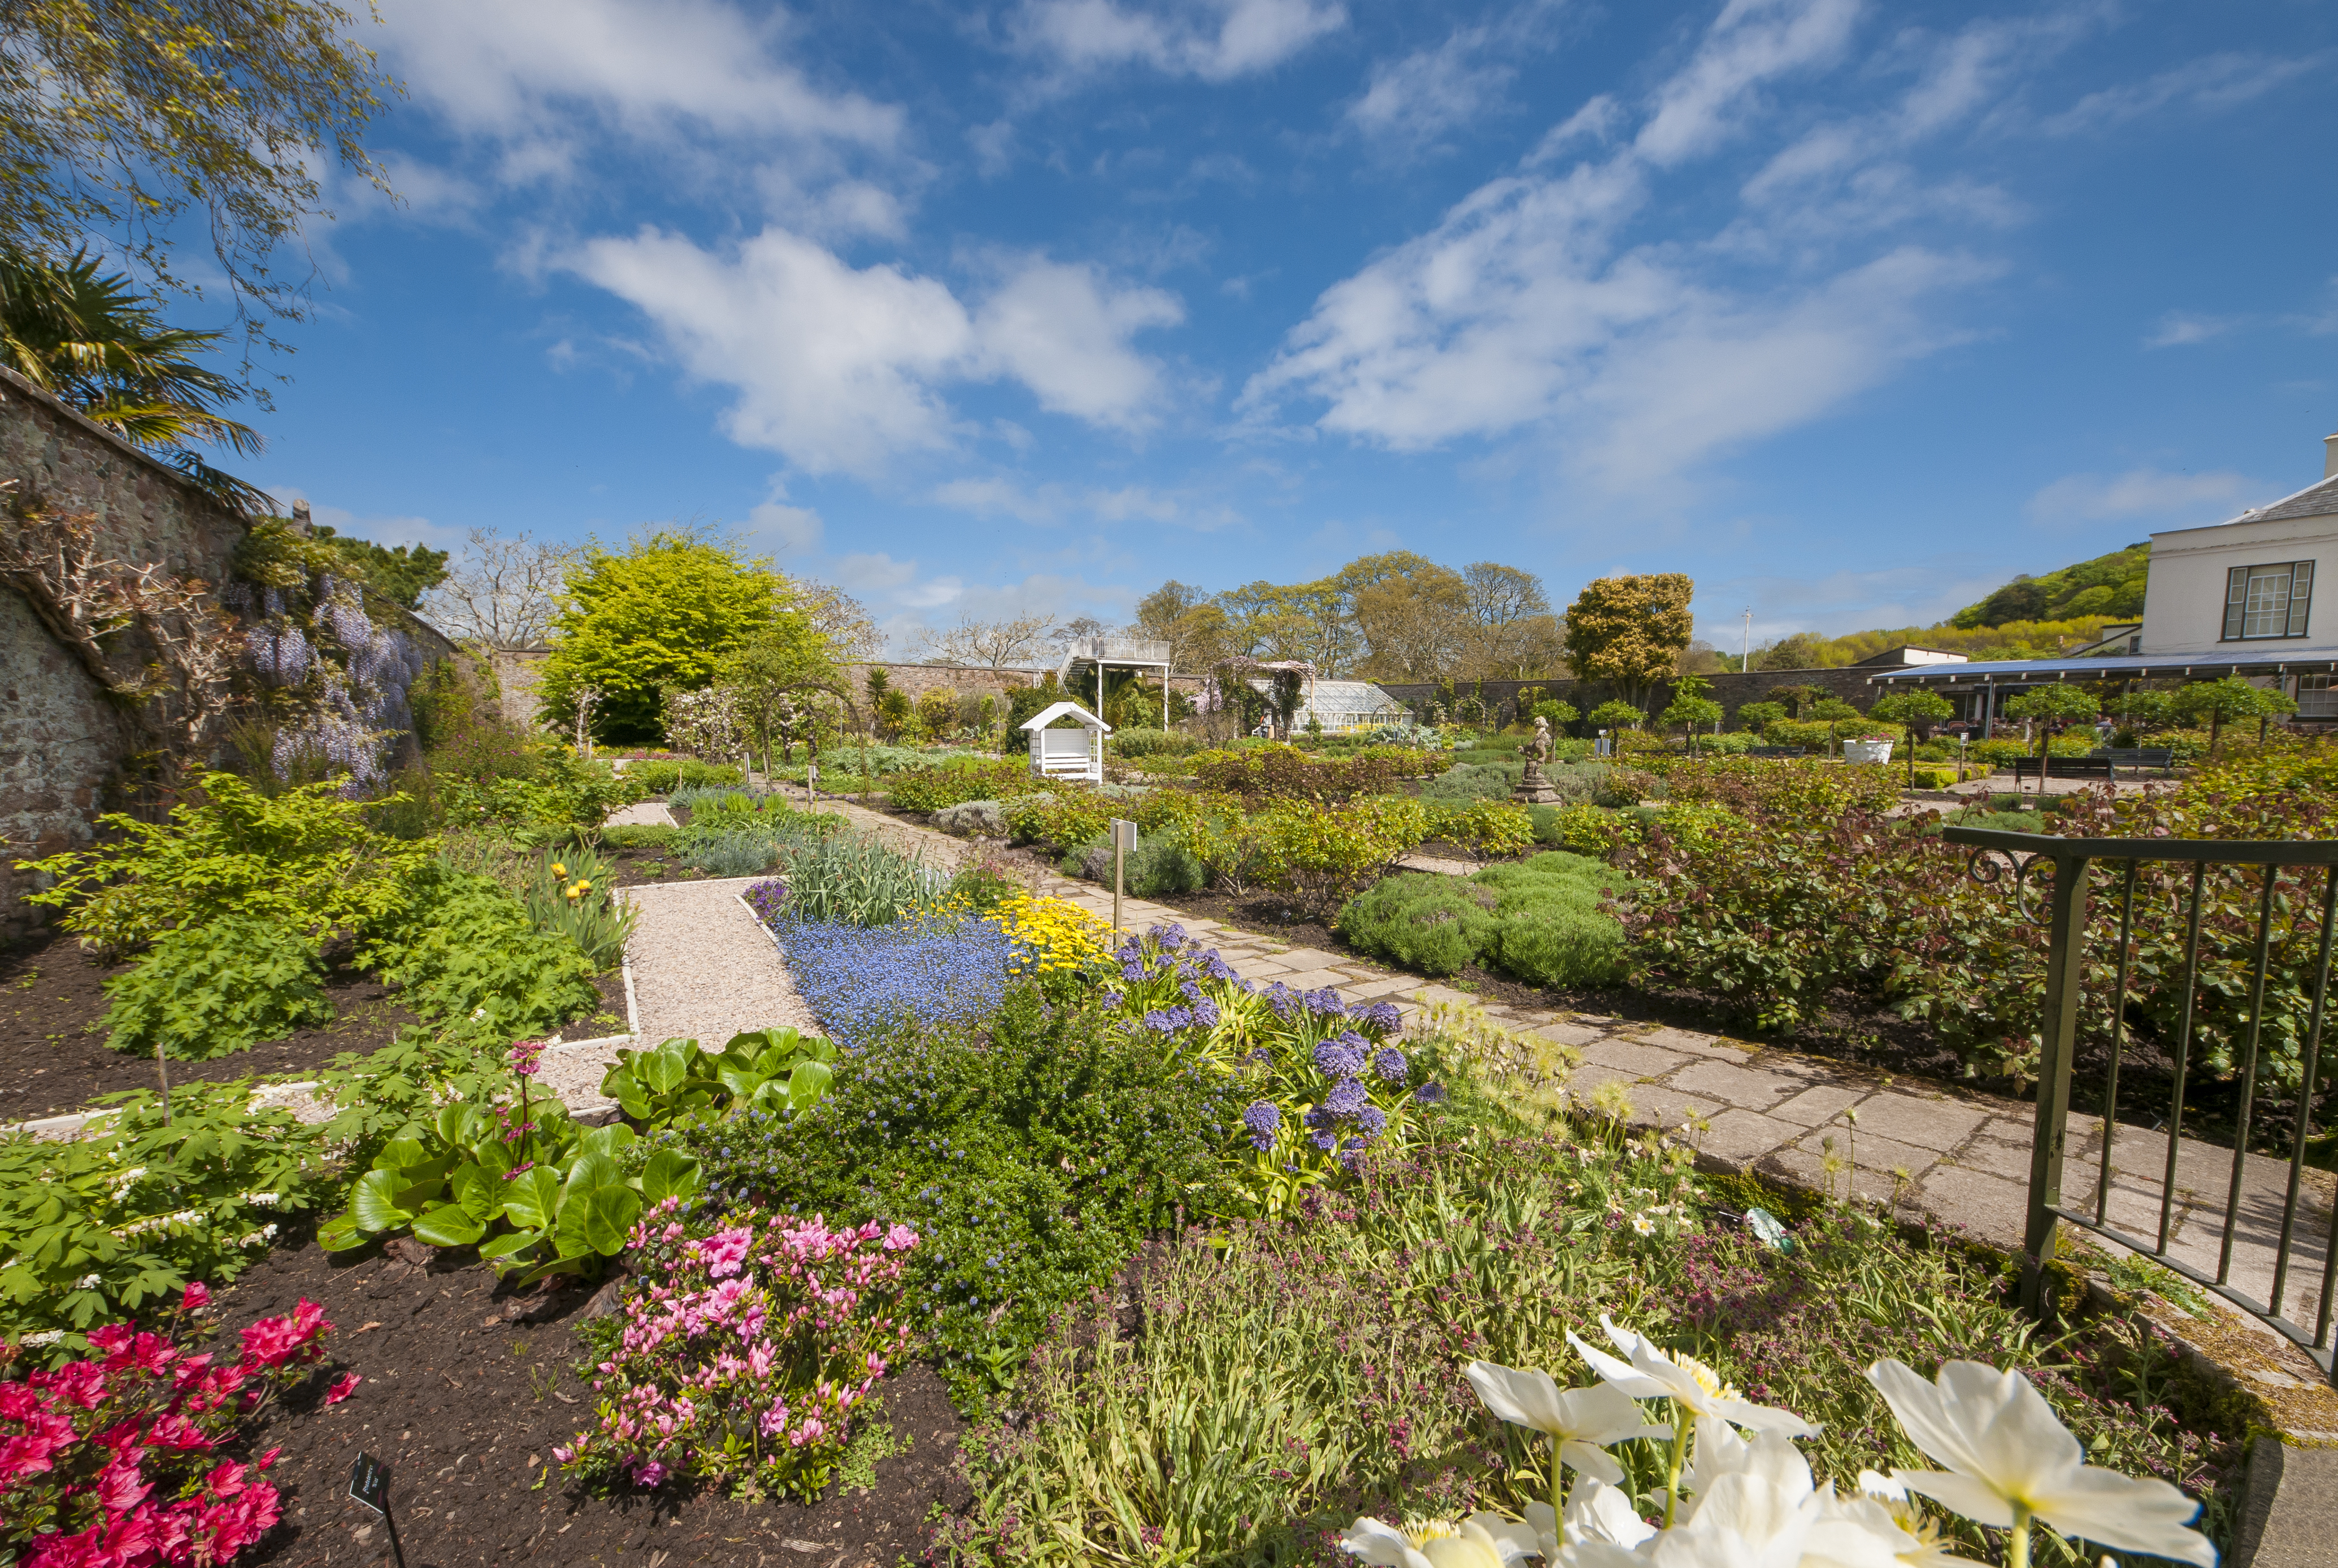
{"x": 2158, "y": 867}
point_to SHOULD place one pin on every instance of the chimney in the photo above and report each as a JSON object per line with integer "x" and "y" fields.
{"x": 2330, "y": 456}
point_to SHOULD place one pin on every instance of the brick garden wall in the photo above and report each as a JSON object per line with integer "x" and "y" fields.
{"x": 1732, "y": 692}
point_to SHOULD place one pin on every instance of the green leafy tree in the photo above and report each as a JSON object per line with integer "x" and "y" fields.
{"x": 1914, "y": 710}
{"x": 666, "y": 611}
{"x": 1797, "y": 698}
{"x": 1691, "y": 707}
{"x": 2146, "y": 710}
{"x": 149, "y": 125}
{"x": 2048, "y": 704}
{"x": 2221, "y": 701}
{"x": 402, "y": 576}
{"x": 1629, "y": 632}
{"x": 1616, "y": 715}
{"x": 1833, "y": 712}
{"x": 1759, "y": 716}
{"x": 779, "y": 672}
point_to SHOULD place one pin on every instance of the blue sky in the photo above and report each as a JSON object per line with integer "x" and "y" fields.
{"x": 1848, "y": 310}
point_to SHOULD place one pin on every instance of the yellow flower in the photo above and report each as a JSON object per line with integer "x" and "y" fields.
{"x": 558, "y": 869}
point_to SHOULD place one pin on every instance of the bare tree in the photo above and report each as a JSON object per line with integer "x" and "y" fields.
{"x": 853, "y": 635}
{"x": 989, "y": 645}
{"x": 502, "y": 592}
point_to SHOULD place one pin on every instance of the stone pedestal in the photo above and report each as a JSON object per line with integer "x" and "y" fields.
{"x": 1534, "y": 789}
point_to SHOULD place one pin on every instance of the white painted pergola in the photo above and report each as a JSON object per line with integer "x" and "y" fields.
{"x": 1068, "y": 754}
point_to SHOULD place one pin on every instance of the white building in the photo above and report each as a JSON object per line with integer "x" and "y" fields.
{"x": 2247, "y": 586}
{"x": 2233, "y": 598}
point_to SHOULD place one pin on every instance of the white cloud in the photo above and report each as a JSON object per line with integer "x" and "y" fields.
{"x": 1528, "y": 308}
{"x": 1048, "y": 505}
{"x": 2207, "y": 86}
{"x": 1063, "y": 330}
{"x": 782, "y": 529}
{"x": 1215, "y": 40}
{"x": 1750, "y": 44}
{"x": 2144, "y": 492}
{"x": 513, "y": 68}
{"x": 840, "y": 367}
{"x": 1419, "y": 98}
{"x": 2179, "y": 329}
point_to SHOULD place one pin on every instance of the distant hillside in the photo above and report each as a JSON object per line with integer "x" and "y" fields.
{"x": 2029, "y": 618}
{"x": 2108, "y": 585}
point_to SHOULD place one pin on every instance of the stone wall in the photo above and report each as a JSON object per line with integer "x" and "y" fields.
{"x": 64, "y": 739}
{"x": 1730, "y": 690}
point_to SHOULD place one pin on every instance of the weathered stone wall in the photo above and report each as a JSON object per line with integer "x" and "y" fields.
{"x": 518, "y": 671}
{"x": 63, "y": 739}
{"x": 1731, "y": 690}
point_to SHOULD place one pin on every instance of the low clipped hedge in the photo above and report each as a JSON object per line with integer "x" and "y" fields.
{"x": 956, "y": 782}
{"x": 1541, "y": 920}
{"x": 665, "y": 777}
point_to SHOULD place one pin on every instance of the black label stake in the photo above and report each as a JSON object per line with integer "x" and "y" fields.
{"x": 369, "y": 1485}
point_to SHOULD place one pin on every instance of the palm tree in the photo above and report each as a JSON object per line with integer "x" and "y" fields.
{"x": 90, "y": 339}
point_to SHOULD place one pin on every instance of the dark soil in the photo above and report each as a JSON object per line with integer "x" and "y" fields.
{"x": 464, "y": 1405}
{"x": 53, "y": 1058}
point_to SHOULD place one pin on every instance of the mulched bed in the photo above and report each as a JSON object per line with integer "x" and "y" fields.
{"x": 53, "y": 1058}
{"x": 463, "y": 1405}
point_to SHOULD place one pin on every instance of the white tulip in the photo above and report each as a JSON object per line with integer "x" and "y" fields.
{"x": 1581, "y": 1422}
{"x": 2010, "y": 1459}
{"x": 1652, "y": 1373}
{"x": 1595, "y": 1511}
{"x": 1481, "y": 1541}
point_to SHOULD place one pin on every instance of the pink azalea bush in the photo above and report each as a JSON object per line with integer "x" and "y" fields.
{"x": 113, "y": 1461}
{"x": 743, "y": 1354}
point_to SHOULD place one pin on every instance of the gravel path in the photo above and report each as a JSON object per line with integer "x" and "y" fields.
{"x": 647, "y": 814}
{"x": 704, "y": 969}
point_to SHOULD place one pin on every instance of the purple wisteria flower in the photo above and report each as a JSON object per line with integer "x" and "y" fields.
{"x": 1390, "y": 1063}
{"x": 1263, "y": 1118}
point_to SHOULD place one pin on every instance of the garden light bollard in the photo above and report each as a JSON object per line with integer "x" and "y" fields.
{"x": 1124, "y": 840}
{"x": 369, "y": 1485}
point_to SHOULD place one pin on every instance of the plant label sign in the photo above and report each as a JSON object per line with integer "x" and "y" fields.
{"x": 369, "y": 1483}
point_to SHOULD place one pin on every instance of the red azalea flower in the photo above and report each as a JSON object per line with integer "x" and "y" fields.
{"x": 346, "y": 1386}
{"x": 198, "y": 1296}
{"x": 121, "y": 1487}
{"x": 226, "y": 1480}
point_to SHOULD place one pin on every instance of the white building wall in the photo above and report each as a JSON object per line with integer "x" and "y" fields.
{"x": 2184, "y": 599}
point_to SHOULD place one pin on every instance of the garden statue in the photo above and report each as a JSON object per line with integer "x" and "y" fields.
{"x": 1533, "y": 788}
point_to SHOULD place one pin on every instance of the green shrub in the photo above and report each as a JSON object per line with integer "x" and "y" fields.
{"x": 1540, "y": 919}
{"x": 1323, "y": 857}
{"x": 1058, "y": 819}
{"x": 205, "y": 991}
{"x": 1160, "y": 864}
{"x": 1434, "y": 924}
{"x": 1489, "y": 829}
{"x": 664, "y": 778}
{"x": 304, "y": 861}
{"x": 1134, "y": 743}
{"x": 1491, "y": 780}
{"x": 955, "y": 783}
{"x": 1277, "y": 772}
{"x": 1582, "y": 827}
{"x": 105, "y": 1226}
{"x": 1032, "y": 1153}
{"x": 467, "y": 956}
{"x": 643, "y": 836}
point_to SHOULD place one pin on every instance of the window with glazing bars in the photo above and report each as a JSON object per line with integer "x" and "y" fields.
{"x": 2268, "y": 600}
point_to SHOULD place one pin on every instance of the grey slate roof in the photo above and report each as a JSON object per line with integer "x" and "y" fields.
{"x": 2314, "y": 501}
